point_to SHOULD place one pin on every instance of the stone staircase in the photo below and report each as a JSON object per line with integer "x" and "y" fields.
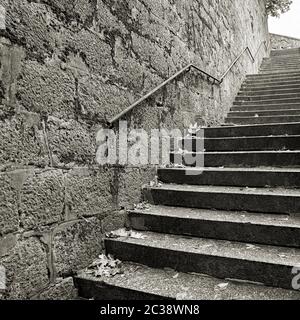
{"x": 232, "y": 232}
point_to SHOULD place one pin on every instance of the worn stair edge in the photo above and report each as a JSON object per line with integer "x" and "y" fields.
{"x": 260, "y": 228}
{"x": 253, "y": 177}
{"x": 269, "y": 265}
{"x": 140, "y": 282}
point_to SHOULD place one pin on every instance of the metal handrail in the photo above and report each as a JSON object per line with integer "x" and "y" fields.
{"x": 253, "y": 57}
{"x": 185, "y": 69}
{"x": 236, "y": 60}
{"x": 145, "y": 97}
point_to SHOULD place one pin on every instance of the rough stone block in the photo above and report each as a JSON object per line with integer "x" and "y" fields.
{"x": 62, "y": 289}
{"x": 7, "y": 243}
{"x": 99, "y": 100}
{"x": 96, "y": 52}
{"x": 22, "y": 141}
{"x": 42, "y": 198}
{"x": 90, "y": 192}
{"x": 26, "y": 269}
{"x": 131, "y": 181}
{"x": 76, "y": 244}
{"x": 70, "y": 11}
{"x": 9, "y": 217}
{"x": 71, "y": 142}
{"x": 31, "y": 25}
{"x": 46, "y": 88}
{"x": 114, "y": 221}
{"x": 11, "y": 60}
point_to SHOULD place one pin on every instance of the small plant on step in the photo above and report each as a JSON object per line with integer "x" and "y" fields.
{"x": 193, "y": 129}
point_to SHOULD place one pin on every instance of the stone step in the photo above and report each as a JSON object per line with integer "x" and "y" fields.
{"x": 285, "y": 52}
{"x": 270, "y": 82}
{"x": 243, "y": 177}
{"x": 295, "y": 63}
{"x": 265, "y": 87}
{"x": 267, "y": 101}
{"x": 266, "y": 83}
{"x": 269, "y": 229}
{"x": 139, "y": 282}
{"x": 242, "y": 143}
{"x": 259, "y": 78}
{"x": 281, "y": 65}
{"x": 263, "y": 119}
{"x": 253, "y": 130}
{"x": 273, "y": 77}
{"x": 284, "y": 58}
{"x": 269, "y": 91}
{"x": 276, "y": 70}
{"x": 269, "y": 112}
{"x": 288, "y": 65}
{"x": 281, "y": 59}
{"x": 269, "y": 265}
{"x": 239, "y": 159}
{"x": 287, "y": 73}
{"x": 274, "y": 96}
{"x": 271, "y": 107}
{"x": 266, "y": 200}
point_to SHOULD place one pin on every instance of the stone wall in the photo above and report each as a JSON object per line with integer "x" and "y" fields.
{"x": 283, "y": 42}
{"x": 68, "y": 66}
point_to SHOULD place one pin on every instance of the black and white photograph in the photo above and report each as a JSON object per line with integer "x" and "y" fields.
{"x": 149, "y": 151}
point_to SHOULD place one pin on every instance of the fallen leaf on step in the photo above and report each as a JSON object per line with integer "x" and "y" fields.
{"x": 142, "y": 206}
{"x": 136, "y": 235}
{"x": 121, "y": 233}
{"x": 105, "y": 266}
{"x": 223, "y": 286}
{"x": 251, "y": 247}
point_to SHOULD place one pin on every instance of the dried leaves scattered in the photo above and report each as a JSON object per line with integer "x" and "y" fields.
{"x": 123, "y": 233}
{"x": 142, "y": 206}
{"x": 105, "y": 266}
